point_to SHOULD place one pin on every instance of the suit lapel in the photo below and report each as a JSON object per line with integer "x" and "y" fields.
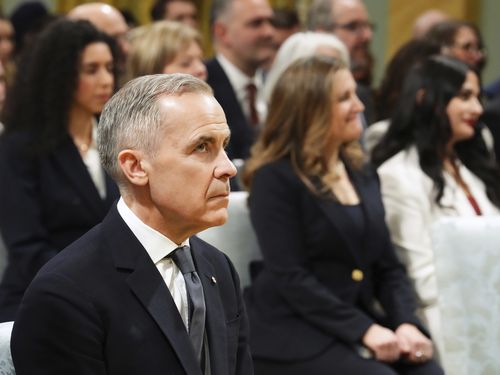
{"x": 148, "y": 286}
{"x": 72, "y": 165}
{"x": 338, "y": 218}
{"x": 370, "y": 200}
{"x": 224, "y": 91}
{"x": 215, "y": 323}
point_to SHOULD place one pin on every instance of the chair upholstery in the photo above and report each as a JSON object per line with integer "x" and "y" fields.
{"x": 236, "y": 237}
{"x": 6, "y": 366}
{"x": 467, "y": 258}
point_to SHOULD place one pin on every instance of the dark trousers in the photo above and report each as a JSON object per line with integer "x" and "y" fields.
{"x": 341, "y": 360}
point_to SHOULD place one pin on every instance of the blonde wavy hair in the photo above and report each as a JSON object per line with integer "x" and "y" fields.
{"x": 156, "y": 45}
{"x": 298, "y": 125}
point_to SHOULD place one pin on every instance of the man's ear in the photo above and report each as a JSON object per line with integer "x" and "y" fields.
{"x": 219, "y": 30}
{"x": 131, "y": 163}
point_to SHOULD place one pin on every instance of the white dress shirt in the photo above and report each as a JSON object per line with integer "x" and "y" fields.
{"x": 93, "y": 163}
{"x": 239, "y": 82}
{"x": 158, "y": 247}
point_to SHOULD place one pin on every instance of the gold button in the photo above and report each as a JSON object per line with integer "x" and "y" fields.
{"x": 357, "y": 275}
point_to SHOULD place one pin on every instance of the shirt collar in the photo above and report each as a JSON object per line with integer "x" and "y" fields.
{"x": 236, "y": 77}
{"x": 156, "y": 244}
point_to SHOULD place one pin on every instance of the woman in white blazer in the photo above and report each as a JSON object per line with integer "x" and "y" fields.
{"x": 433, "y": 163}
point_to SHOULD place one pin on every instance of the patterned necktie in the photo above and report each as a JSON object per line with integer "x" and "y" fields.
{"x": 183, "y": 259}
{"x": 252, "y": 98}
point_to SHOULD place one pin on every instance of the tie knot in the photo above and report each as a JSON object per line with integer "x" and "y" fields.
{"x": 251, "y": 88}
{"x": 183, "y": 259}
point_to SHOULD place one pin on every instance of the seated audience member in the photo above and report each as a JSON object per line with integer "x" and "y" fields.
{"x": 390, "y": 88}
{"x": 243, "y": 41}
{"x": 286, "y": 23}
{"x": 175, "y": 10}
{"x": 461, "y": 40}
{"x": 426, "y": 20}
{"x": 53, "y": 187}
{"x": 109, "y": 20}
{"x": 300, "y": 45}
{"x": 165, "y": 47}
{"x": 432, "y": 164}
{"x": 28, "y": 19}
{"x": 319, "y": 220}
{"x": 350, "y": 22}
{"x": 140, "y": 294}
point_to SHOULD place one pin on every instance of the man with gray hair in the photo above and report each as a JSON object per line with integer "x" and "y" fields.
{"x": 349, "y": 21}
{"x": 138, "y": 294}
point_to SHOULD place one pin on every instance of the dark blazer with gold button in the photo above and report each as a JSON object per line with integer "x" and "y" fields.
{"x": 101, "y": 307}
{"x": 47, "y": 201}
{"x": 320, "y": 278}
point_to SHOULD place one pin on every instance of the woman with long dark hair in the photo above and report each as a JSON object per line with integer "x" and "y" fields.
{"x": 433, "y": 164}
{"x": 53, "y": 188}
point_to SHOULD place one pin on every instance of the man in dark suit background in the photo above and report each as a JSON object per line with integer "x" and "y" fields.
{"x": 116, "y": 300}
{"x": 243, "y": 38}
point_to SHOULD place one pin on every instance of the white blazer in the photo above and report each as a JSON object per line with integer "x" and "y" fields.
{"x": 409, "y": 200}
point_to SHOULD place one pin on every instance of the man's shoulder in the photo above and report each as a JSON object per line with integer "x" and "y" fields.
{"x": 212, "y": 63}
{"x": 85, "y": 253}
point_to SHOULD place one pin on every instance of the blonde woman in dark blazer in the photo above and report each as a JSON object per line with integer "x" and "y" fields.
{"x": 318, "y": 215}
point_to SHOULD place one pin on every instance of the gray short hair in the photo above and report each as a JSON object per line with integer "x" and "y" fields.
{"x": 320, "y": 16}
{"x": 220, "y": 9}
{"x": 132, "y": 118}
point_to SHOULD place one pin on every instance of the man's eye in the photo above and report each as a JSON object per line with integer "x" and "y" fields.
{"x": 202, "y": 147}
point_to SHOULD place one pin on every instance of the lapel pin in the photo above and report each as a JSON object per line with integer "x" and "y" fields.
{"x": 214, "y": 281}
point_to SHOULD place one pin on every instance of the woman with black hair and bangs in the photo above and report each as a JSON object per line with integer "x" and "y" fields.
{"x": 53, "y": 187}
{"x": 433, "y": 163}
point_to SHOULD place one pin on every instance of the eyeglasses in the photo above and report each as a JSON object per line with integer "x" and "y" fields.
{"x": 355, "y": 26}
{"x": 470, "y": 47}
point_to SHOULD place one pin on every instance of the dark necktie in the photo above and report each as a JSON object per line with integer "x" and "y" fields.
{"x": 183, "y": 259}
{"x": 252, "y": 99}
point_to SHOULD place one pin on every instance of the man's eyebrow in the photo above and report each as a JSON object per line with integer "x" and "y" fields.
{"x": 209, "y": 138}
{"x": 204, "y": 138}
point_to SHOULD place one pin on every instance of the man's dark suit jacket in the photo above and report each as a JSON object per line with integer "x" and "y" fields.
{"x": 242, "y": 133}
{"x": 101, "y": 307}
{"x": 322, "y": 270}
{"x": 47, "y": 201}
